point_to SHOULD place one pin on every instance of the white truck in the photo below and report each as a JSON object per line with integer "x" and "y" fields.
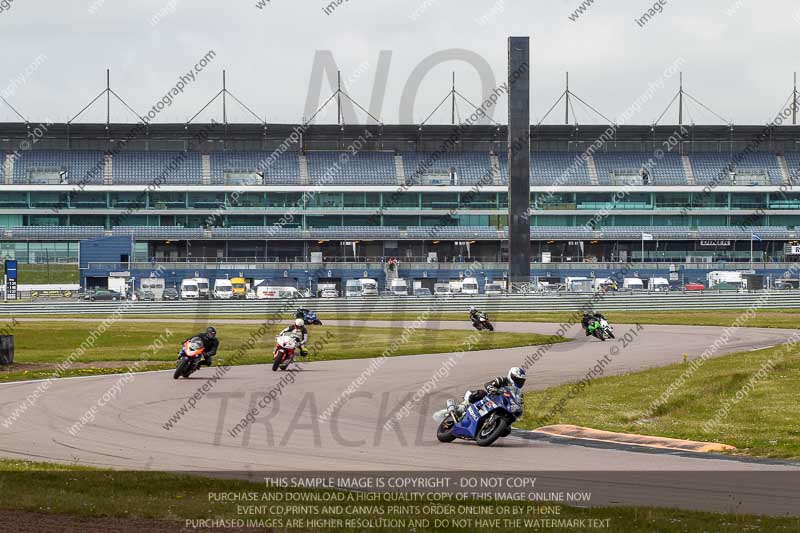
{"x": 154, "y": 285}
{"x": 658, "y": 285}
{"x": 398, "y": 287}
{"x": 369, "y": 287}
{"x": 578, "y": 284}
{"x": 725, "y": 276}
{"x": 441, "y": 289}
{"x": 189, "y": 289}
{"x": 602, "y": 284}
{"x": 495, "y": 288}
{"x": 361, "y": 287}
{"x": 633, "y": 284}
{"x": 470, "y": 286}
{"x": 223, "y": 289}
{"x": 268, "y": 292}
{"x": 327, "y": 290}
{"x": 203, "y": 288}
{"x": 455, "y": 286}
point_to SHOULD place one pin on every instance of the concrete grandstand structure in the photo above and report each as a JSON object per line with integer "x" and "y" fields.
{"x": 229, "y": 200}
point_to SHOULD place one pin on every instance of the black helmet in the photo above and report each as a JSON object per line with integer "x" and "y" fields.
{"x": 211, "y": 332}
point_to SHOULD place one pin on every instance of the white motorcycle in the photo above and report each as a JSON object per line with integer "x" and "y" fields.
{"x": 608, "y": 331}
{"x": 285, "y": 347}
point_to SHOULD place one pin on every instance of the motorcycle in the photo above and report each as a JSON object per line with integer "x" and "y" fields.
{"x": 482, "y": 323}
{"x": 601, "y": 329}
{"x": 484, "y": 421}
{"x": 309, "y": 317}
{"x": 607, "y": 329}
{"x": 189, "y": 358}
{"x": 285, "y": 347}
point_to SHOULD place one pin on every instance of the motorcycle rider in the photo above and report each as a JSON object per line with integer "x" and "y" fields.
{"x": 301, "y": 313}
{"x": 300, "y": 331}
{"x": 588, "y": 318}
{"x": 210, "y": 345}
{"x": 474, "y": 314}
{"x": 516, "y": 377}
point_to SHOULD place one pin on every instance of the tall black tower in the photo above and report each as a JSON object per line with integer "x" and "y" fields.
{"x": 519, "y": 161}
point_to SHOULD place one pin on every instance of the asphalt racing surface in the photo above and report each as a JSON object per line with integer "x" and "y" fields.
{"x": 149, "y": 421}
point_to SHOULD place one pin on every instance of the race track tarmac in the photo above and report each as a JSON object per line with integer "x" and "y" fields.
{"x": 292, "y": 432}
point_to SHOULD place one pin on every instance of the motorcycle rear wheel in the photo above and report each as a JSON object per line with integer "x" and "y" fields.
{"x": 495, "y": 433}
{"x": 445, "y": 430}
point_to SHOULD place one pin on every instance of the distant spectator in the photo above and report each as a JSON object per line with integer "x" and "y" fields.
{"x": 645, "y": 176}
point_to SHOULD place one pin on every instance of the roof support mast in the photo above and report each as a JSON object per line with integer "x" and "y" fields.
{"x": 224, "y": 100}
{"x": 108, "y": 97}
{"x": 794, "y": 101}
{"x": 680, "y": 101}
{"x": 339, "y": 97}
{"x": 566, "y": 103}
{"x": 453, "y": 104}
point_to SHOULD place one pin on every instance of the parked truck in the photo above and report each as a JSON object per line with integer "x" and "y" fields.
{"x": 223, "y": 289}
{"x": 658, "y": 285}
{"x": 239, "y": 288}
{"x": 398, "y": 287}
{"x": 725, "y": 279}
{"x": 189, "y": 290}
{"x": 470, "y": 286}
{"x": 203, "y": 288}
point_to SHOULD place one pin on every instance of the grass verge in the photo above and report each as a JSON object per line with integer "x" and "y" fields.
{"x": 748, "y": 400}
{"x": 129, "y": 342}
{"x": 50, "y": 489}
{"x": 764, "y": 318}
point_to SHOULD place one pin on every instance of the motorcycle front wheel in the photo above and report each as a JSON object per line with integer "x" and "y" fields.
{"x": 491, "y": 430}
{"x": 180, "y": 368}
{"x": 276, "y": 361}
{"x": 445, "y": 431}
{"x": 489, "y": 326}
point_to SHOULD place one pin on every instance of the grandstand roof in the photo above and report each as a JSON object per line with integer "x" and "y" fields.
{"x": 391, "y": 137}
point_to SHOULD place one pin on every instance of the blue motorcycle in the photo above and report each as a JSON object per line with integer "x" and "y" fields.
{"x": 308, "y": 316}
{"x": 484, "y": 421}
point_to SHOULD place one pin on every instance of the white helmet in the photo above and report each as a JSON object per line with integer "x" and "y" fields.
{"x": 517, "y": 376}
{"x": 299, "y": 322}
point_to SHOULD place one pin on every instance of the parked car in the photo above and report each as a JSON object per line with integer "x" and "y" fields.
{"x": 495, "y": 288}
{"x": 329, "y": 293}
{"x": 694, "y": 286}
{"x": 102, "y": 295}
{"x": 145, "y": 296}
{"x": 422, "y": 291}
{"x": 442, "y": 289}
{"x": 171, "y": 294}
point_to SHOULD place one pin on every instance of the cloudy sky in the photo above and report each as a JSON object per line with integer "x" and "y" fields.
{"x": 737, "y": 56}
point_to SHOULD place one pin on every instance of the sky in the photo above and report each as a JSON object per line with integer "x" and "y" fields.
{"x": 737, "y": 57}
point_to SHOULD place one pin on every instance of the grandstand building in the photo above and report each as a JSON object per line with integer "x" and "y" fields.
{"x": 302, "y": 205}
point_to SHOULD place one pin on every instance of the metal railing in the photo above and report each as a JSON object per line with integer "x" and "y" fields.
{"x": 329, "y": 308}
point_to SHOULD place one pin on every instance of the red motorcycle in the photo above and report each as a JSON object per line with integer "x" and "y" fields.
{"x": 189, "y": 358}
{"x": 285, "y": 347}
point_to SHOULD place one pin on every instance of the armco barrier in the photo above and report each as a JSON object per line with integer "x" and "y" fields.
{"x": 460, "y": 303}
